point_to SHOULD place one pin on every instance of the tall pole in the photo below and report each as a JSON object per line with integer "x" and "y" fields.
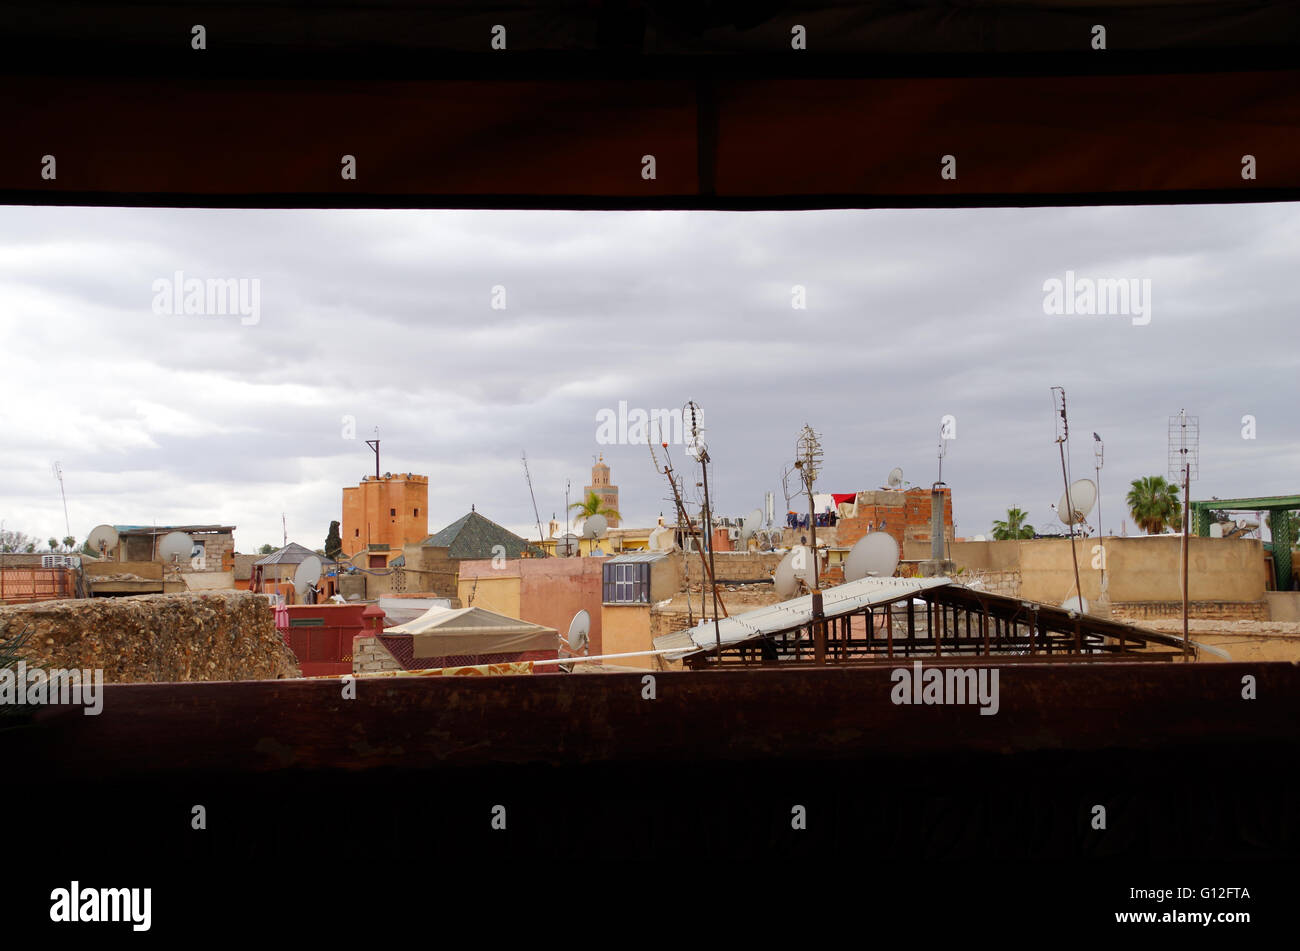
{"x": 708, "y": 529}
{"x": 1061, "y": 440}
{"x": 1187, "y": 519}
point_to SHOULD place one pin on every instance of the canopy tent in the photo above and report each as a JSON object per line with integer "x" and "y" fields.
{"x": 456, "y": 632}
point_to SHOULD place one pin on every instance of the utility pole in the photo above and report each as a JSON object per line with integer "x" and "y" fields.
{"x": 701, "y": 454}
{"x": 1184, "y": 464}
{"x": 808, "y": 460}
{"x": 1062, "y": 437}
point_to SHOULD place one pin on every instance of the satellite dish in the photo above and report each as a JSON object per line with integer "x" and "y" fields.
{"x": 874, "y": 556}
{"x": 895, "y": 479}
{"x": 787, "y": 577}
{"x": 750, "y": 524}
{"x": 661, "y": 539}
{"x": 175, "y": 547}
{"x": 594, "y": 527}
{"x": 308, "y": 574}
{"x": 1083, "y": 494}
{"x": 1076, "y": 604}
{"x": 567, "y": 545}
{"x": 102, "y": 539}
{"x": 579, "y": 628}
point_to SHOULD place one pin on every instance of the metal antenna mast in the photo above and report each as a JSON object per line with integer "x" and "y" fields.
{"x": 541, "y": 539}
{"x": 1063, "y": 437}
{"x": 808, "y": 460}
{"x": 1184, "y": 466}
{"x": 58, "y": 474}
{"x": 685, "y": 522}
{"x": 374, "y": 444}
{"x": 700, "y": 452}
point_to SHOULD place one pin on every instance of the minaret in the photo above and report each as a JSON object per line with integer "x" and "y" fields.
{"x": 600, "y": 484}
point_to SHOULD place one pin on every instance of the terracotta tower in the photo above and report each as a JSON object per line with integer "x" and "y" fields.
{"x": 607, "y": 493}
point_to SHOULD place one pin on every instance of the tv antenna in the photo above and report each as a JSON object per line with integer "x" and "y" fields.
{"x": 699, "y": 451}
{"x": 529, "y": 479}
{"x": 374, "y": 445}
{"x": 943, "y": 449}
{"x": 58, "y": 474}
{"x": 685, "y": 523}
{"x": 1184, "y": 466}
{"x": 808, "y": 460}
{"x": 1062, "y": 437}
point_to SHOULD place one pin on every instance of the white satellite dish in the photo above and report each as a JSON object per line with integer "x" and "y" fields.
{"x": 594, "y": 527}
{"x": 786, "y": 578}
{"x": 895, "y": 479}
{"x": 175, "y": 547}
{"x": 306, "y": 576}
{"x": 1083, "y": 494}
{"x": 750, "y": 524}
{"x": 1076, "y": 604}
{"x": 102, "y": 539}
{"x": 661, "y": 539}
{"x": 567, "y": 546}
{"x": 579, "y": 628}
{"x": 874, "y": 556}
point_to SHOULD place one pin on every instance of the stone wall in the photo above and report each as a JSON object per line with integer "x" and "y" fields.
{"x": 155, "y": 638}
{"x": 370, "y": 656}
{"x": 1202, "y": 610}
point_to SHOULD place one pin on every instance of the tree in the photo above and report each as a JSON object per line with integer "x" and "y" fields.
{"x": 592, "y": 505}
{"x": 334, "y": 543}
{"x": 69, "y": 542}
{"x": 1154, "y": 504}
{"x": 54, "y": 544}
{"x": 266, "y": 550}
{"x": 14, "y": 541}
{"x": 1014, "y": 526}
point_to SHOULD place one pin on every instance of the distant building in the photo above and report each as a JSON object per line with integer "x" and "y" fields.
{"x": 381, "y": 515}
{"x": 214, "y": 545}
{"x": 606, "y": 492}
{"x": 431, "y": 565}
{"x": 903, "y": 514}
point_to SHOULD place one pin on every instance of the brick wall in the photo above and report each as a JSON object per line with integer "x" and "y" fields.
{"x": 370, "y": 656}
{"x": 1200, "y": 610}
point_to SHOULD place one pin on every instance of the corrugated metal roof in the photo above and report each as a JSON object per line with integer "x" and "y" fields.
{"x": 636, "y": 557}
{"x": 787, "y": 615}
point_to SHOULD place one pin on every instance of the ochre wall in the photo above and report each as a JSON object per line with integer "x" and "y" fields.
{"x": 495, "y": 591}
{"x": 626, "y": 627}
{"x": 1138, "y": 568}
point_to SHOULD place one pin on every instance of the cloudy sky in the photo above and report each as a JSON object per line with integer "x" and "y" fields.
{"x": 387, "y": 317}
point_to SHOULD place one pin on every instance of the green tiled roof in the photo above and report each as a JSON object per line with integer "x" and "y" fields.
{"x": 474, "y": 536}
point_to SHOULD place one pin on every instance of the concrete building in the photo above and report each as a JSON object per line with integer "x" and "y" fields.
{"x": 214, "y": 545}
{"x": 381, "y": 515}
{"x": 903, "y": 514}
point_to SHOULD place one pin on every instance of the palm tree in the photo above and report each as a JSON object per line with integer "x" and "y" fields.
{"x": 69, "y": 542}
{"x": 1154, "y": 504}
{"x": 592, "y": 505}
{"x": 1014, "y": 526}
{"x": 54, "y": 544}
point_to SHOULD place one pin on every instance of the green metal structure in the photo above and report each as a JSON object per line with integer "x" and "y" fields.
{"x": 1279, "y": 507}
